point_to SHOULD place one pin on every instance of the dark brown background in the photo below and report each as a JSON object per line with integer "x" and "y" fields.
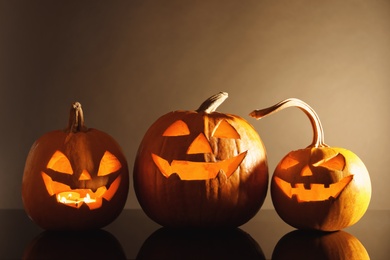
{"x": 129, "y": 62}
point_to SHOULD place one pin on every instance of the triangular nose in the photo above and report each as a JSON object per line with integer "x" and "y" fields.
{"x": 199, "y": 145}
{"x": 84, "y": 176}
{"x": 306, "y": 171}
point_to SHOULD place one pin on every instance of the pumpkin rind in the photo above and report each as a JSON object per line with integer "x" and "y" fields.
{"x": 320, "y": 187}
{"x": 327, "y": 214}
{"x": 208, "y": 202}
{"x": 84, "y": 149}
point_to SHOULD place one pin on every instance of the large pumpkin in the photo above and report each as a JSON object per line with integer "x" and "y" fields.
{"x": 318, "y": 187}
{"x": 75, "y": 179}
{"x": 201, "y": 169}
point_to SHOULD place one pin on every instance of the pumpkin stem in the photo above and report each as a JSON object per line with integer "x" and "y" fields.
{"x": 318, "y": 132}
{"x": 76, "y": 118}
{"x": 211, "y": 104}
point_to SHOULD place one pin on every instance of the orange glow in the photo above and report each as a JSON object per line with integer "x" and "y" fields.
{"x": 60, "y": 163}
{"x": 84, "y": 176}
{"x": 188, "y": 170}
{"x": 53, "y": 187}
{"x": 112, "y": 190}
{"x": 199, "y": 145}
{"x": 317, "y": 192}
{"x": 178, "y": 128}
{"x": 306, "y": 171}
{"x": 76, "y": 197}
{"x": 288, "y": 162}
{"x": 336, "y": 162}
{"x": 225, "y": 130}
{"x": 108, "y": 164}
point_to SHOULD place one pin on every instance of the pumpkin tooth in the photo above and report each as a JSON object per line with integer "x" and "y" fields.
{"x": 189, "y": 170}
{"x": 174, "y": 176}
{"x": 295, "y": 198}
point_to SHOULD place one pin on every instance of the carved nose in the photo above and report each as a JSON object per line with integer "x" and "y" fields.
{"x": 199, "y": 145}
{"x": 306, "y": 171}
{"x": 84, "y": 176}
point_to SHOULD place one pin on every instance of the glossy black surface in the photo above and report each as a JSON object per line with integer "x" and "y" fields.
{"x": 134, "y": 234}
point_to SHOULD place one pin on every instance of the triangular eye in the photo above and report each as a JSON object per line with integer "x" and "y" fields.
{"x": 336, "y": 162}
{"x": 199, "y": 145}
{"x": 60, "y": 163}
{"x": 225, "y": 130}
{"x": 288, "y": 162}
{"x": 178, "y": 128}
{"x": 108, "y": 164}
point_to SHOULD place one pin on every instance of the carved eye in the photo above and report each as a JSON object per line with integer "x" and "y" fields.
{"x": 108, "y": 164}
{"x": 178, "y": 128}
{"x": 336, "y": 162}
{"x": 289, "y": 162}
{"x": 225, "y": 130}
{"x": 199, "y": 145}
{"x": 60, "y": 163}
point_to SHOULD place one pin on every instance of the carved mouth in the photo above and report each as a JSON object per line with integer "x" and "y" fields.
{"x": 315, "y": 191}
{"x": 77, "y": 197}
{"x": 188, "y": 170}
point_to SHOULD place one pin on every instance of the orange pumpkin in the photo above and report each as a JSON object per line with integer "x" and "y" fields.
{"x": 318, "y": 187}
{"x": 75, "y": 179}
{"x": 201, "y": 169}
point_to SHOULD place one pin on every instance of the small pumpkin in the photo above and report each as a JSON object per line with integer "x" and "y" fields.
{"x": 201, "y": 168}
{"x": 75, "y": 178}
{"x": 299, "y": 244}
{"x": 318, "y": 187}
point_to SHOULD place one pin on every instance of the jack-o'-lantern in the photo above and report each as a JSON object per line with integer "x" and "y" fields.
{"x": 201, "y": 169}
{"x": 319, "y": 187}
{"x": 75, "y": 179}
{"x": 299, "y": 244}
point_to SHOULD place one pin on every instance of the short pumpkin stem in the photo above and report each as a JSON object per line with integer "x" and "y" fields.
{"x": 76, "y": 118}
{"x": 213, "y": 102}
{"x": 318, "y": 132}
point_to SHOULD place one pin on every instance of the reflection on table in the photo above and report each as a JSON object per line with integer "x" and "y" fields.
{"x": 134, "y": 236}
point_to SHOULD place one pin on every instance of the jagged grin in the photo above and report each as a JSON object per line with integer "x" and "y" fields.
{"x": 189, "y": 170}
{"x": 314, "y": 191}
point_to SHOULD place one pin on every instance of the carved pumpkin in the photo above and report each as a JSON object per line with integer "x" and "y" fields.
{"x": 300, "y": 244}
{"x": 167, "y": 243}
{"x": 75, "y": 179}
{"x": 201, "y": 169}
{"x": 319, "y": 187}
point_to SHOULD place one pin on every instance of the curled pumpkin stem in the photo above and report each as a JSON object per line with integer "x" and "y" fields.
{"x": 318, "y": 132}
{"x": 76, "y": 118}
{"x": 213, "y": 102}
